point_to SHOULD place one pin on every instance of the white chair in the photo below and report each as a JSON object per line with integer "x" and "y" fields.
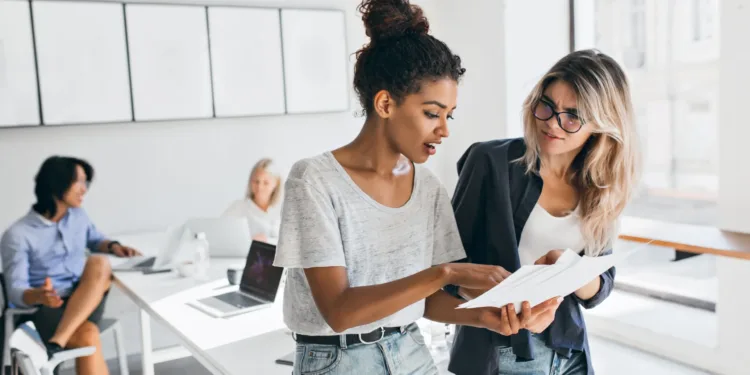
{"x": 105, "y": 326}
{"x": 21, "y": 363}
{"x": 14, "y": 318}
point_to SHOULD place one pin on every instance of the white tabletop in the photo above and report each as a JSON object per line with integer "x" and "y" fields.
{"x": 232, "y": 345}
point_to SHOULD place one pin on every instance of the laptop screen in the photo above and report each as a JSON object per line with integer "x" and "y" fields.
{"x": 260, "y": 277}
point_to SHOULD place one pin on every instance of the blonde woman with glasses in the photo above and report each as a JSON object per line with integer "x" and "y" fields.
{"x": 522, "y": 201}
{"x": 261, "y": 204}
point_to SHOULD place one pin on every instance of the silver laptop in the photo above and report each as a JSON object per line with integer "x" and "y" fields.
{"x": 258, "y": 286}
{"x": 177, "y": 237}
{"x": 226, "y": 236}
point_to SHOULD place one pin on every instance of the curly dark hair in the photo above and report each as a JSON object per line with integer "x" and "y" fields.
{"x": 401, "y": 54}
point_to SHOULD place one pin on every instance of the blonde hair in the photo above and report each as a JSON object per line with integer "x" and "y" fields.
{"x": 606, "y": 171}
{"x": 265, "y": 164}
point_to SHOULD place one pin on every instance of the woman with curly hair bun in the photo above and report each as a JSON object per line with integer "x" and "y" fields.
{"x": 367, "y": 234}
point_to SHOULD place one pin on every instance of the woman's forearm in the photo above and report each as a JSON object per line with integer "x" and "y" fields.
{"x": 355, "y": 306}
{"x": 469, "y": 294}
{"x": 442, "y": 307}
{"x": 589, "y": 290}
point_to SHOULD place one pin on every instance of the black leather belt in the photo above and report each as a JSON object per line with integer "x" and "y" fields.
{"x": 352, "y": 339}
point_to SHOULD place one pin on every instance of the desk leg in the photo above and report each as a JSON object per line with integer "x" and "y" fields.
{"x": 732, "y": 308}
{"x": 146, "y": 348}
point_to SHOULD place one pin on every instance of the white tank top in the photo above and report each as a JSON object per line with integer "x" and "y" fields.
{"x": 544, "y": 232}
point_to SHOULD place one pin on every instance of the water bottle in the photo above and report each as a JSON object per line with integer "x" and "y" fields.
{"x": 201, "y": 256}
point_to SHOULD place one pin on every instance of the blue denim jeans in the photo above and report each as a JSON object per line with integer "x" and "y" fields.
{"x": 546, "y": 361}
{"x": 396, "y": 354}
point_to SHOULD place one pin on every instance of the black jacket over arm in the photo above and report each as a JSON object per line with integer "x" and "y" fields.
{"x": 492, "y": 202}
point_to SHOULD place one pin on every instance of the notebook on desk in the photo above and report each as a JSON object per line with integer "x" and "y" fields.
{"x": 258, "y": 286}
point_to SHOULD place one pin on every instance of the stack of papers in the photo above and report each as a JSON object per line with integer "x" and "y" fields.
{"x": 537, "y": 284}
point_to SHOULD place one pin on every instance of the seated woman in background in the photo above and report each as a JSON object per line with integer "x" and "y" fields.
{"x": 260, "y": 205}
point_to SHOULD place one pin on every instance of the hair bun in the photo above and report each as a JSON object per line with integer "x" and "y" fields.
{"x": 392, "y": 18}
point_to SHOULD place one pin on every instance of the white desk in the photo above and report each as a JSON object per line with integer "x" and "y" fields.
{"x": 251, "y": 341}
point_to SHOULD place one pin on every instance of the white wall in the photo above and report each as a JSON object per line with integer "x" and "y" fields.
{"x": 506, "y": 47}
{"x": 536, "y": 35}
{"x": 149, "y": 175}
{"x": 734, "y": 132}
{"x": 475, "y": 31}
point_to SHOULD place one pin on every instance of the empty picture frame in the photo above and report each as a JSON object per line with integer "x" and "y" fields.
{"x": 19, "y": 103}
{"x": 315, "y": 60}
{"x": 83, "y": 65}
{"x": 169, "y": 62}
{"x": 248, "y": 77}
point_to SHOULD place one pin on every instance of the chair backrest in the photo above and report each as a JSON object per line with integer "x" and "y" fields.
{"x": 4, "y": 302}
{"x": 21, "y": 364}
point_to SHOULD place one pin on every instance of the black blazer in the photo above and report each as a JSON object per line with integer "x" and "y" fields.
{"x": 492, "y": 202}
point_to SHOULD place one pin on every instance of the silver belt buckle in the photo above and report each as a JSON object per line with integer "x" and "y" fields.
{"x": 382, "y": 334}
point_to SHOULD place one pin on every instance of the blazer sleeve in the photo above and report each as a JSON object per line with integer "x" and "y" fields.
{"x": 605, "y": 288}
{"x": 467, "y": 198}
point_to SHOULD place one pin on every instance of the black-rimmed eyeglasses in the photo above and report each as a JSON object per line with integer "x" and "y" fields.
{"x": 569, "y": 122}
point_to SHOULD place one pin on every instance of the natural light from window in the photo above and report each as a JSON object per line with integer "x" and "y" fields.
{"x": 670, "y": 51}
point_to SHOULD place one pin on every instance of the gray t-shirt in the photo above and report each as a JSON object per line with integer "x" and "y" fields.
{"x": 327, "y": 220}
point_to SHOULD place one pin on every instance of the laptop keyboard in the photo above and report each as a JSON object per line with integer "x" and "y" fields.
{"x": 237, "y": 300}
{"x": 147, "y": 263}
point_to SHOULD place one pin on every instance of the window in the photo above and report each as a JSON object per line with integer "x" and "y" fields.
{"x": 635, "y": 54}
{"x": 703, "y": 19}
{"x": 675, "y": 98}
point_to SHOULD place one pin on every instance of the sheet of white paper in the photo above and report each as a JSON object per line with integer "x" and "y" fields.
{"x": 537, "y": 284}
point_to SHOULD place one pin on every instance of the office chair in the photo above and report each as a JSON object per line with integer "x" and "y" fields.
{"x": 14, "y": 317}
{"x": 21, "y": 363}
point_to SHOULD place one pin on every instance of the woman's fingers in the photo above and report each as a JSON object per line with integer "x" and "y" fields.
{"x": 515, "y": 324}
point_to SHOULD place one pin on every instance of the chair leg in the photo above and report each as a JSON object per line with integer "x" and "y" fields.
{"x": 122, "y": 354}
{"x": 7, "y": 332}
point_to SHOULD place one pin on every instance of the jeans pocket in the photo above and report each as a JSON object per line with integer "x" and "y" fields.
{"x": 316, "y": 359}
{"x": 505, "y": 354}
{"x": 415, "y": 334}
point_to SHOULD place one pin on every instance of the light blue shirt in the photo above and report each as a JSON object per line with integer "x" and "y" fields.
{"x": 34, "y": 248}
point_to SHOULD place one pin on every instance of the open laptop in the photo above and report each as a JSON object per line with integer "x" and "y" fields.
{"x": 177, "y": 237}
{"x": 226, "y": 236}
{"x": 258, "y": 286}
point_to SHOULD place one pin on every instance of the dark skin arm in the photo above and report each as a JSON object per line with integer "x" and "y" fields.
{"x": 441, "y": 307}
{"x": 344, "y": 307}
{"x": 470, "y": 294}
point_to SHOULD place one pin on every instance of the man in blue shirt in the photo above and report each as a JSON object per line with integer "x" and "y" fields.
{"x": 45, "y": 263}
